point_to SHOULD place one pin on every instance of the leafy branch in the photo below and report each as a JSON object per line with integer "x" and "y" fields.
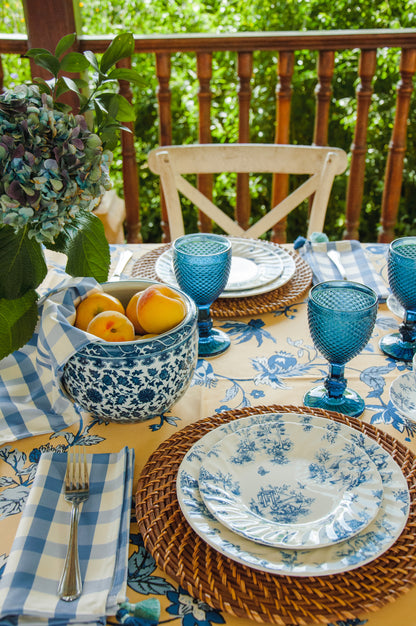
{"x": 111, "y": 110}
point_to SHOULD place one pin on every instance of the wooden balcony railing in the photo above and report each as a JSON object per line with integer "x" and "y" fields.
{"x": 285, "y": 45}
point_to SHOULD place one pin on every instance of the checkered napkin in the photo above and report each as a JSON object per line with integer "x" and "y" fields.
{"x": 28, "y": 587}
{"x": 353, "y": 259}
{"x": 31, "y": 402}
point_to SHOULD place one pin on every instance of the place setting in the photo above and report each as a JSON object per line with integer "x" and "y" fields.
{"x": 274, "y": 494}
{"x": 263, "y": 276}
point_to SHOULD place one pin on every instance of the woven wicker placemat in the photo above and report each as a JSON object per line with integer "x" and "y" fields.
{"x": 289, "y": 293}
{"x": 242, "y": 591}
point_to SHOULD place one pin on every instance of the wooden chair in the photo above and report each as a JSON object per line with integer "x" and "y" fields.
{"x": 322, "y": 164}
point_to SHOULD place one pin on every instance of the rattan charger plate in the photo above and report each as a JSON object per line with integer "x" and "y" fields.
{"x": 242, "y": 591}
{"x": 285, "y": 295}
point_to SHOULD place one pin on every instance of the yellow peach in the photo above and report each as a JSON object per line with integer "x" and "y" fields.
{"x": 131, "y": 312}
{"x": 93, "y": 305}
{"x": 159, "y": 308}
{"x": 111, "y": 326}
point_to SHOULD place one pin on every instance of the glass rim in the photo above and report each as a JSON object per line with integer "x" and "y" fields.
{"x": 195, "y": 236}
{"x": 327, "y": 284}
{"x": 396, "y": 242}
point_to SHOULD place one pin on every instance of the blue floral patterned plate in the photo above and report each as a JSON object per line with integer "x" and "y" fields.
{"x": 354, "y": 552}
{"x": 403, "y": 394}
{"x": 280, "y": 485}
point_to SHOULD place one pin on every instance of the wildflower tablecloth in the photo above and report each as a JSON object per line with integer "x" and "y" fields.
{"x": 272, "y": 360}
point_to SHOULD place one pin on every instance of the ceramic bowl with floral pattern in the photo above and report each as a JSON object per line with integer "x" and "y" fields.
{"x": 134, "y": 380}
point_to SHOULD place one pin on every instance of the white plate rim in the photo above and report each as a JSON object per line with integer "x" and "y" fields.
{"x": 285, "y": 561}
{"x": 365, "y": 498}
{"x": 289, "y": 269}
{"x": 406, "y": 382}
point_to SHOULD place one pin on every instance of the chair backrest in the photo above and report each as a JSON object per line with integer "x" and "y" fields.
{"x": 322, "y": 164}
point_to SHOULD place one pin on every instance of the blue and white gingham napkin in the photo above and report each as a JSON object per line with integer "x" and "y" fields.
{"x": 353, "y": 259}
{"x": 28, "y": 587}
{"x": 31, "y": 401}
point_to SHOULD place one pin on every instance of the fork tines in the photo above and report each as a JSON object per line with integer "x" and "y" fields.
{"x": 76, "y": 476}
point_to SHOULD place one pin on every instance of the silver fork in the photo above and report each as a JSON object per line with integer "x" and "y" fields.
{"x": 76, "y": 492}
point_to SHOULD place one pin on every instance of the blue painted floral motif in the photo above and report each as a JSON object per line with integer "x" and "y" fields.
{"x": 193, "y": 612}
{"x": 281, "y": 504}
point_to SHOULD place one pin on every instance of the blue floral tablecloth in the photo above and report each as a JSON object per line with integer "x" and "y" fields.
{"x": 272, "y": 360}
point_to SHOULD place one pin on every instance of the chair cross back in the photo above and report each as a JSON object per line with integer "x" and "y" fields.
{"x": 322, "y": 164}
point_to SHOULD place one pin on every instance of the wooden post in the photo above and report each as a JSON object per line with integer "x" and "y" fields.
{"x": 205, "y": 181}
{"x": 367, "y": 68}
{"x": 394, "y": 168}
{"x": 163, "y": 69}
{"x": 280, "y": 184}
{"x": 47, "y": 21}
{"x": 245, "y": 71}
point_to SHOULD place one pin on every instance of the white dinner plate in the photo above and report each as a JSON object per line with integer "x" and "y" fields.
{"x": 403, "y": 394}
{"x": 280, "y": 485}
{"x": 364, "y": 547}
{"x": 256, "y": 267}
{"x": 395, "y": 307}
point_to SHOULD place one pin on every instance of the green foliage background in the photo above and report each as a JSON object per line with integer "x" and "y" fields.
{"x": 222, "y": 16}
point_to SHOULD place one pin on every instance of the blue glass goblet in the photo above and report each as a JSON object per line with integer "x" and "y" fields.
{"x": 202, "y": 264}
{"x": 341, "y": 316}
{"x": 401, "y": 267}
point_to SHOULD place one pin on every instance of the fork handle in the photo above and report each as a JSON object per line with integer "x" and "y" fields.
{"x": 70, "y": 585}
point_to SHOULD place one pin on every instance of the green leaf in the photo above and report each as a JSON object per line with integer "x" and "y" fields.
{"x": 117, "y": 106}
{"x": 109, "y": 136}
{"x": 87, "y": 248}
{"x": 33, "y": 52}
{"x": 74, "y": 62}
{"x": 61, "y": 87}
{"x": 18, "y": 320}
{"x": 124, "y": 73}
{"x": 64, "y": 44}
{"x": 48, "y": 61}
{"x": 71, "y": 84}
{"x": 22, "y": 263}
{"x": 43, "y": 85}
{"x": 122, "y": 46}
{"x": 92, "y": 59}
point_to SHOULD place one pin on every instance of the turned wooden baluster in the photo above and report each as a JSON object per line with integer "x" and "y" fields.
{"x": 130, "y": 177}
{"x": 394, "y": 168}
{"x": 280, "y": 185}
{"x": 323, "y": 93}
{"x": 163, "y": 71}
{"x": 245, "y": 71}
{"x": 366, "y": 70}
{"x": 1, "y": 75}
{"x": 205, "y": 181}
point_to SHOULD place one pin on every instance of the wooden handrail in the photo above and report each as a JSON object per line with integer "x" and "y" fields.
{"x": 285, "y": 45}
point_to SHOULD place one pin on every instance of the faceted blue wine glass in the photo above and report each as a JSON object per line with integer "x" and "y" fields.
{"x": 401, "y": 267}
{"x": 202, "y": 264}
{"x": 341, "y": 317}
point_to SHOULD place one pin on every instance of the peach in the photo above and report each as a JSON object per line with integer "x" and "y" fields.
{"x": 93, "y": 305}
{"x": 111, "y": 326}
{"x": 158, "y": 309}
{"x": 131, "y": 312}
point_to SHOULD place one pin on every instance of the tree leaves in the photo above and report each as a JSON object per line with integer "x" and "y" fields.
{"x": 22, "y": 263}
{"x": 86, "y": 247}
{"x": 17, "y": 322}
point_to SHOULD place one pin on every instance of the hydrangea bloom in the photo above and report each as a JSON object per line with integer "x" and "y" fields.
{"x": 51, "y": 165}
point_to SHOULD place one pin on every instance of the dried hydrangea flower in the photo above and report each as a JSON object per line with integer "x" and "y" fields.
{"x": 51, "y": 165}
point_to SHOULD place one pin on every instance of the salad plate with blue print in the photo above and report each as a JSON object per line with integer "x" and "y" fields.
{"x": 355, "y": 551}
{"x": 256, "y": 267}
{"x": 403, "y": 394}
{"x": 280, "y": 485}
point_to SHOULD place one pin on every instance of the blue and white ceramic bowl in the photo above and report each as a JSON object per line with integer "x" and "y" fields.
{"x": 133, "y": 381}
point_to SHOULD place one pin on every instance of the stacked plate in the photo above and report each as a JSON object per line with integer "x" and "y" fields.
{"x": 257, "y": 267}
{"x": 293, "y": 494}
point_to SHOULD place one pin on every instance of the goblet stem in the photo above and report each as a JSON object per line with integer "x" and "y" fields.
{"x": 204, "y": 321}
{"x": 335, "y": 383}
{"x": 407, "y": 328}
